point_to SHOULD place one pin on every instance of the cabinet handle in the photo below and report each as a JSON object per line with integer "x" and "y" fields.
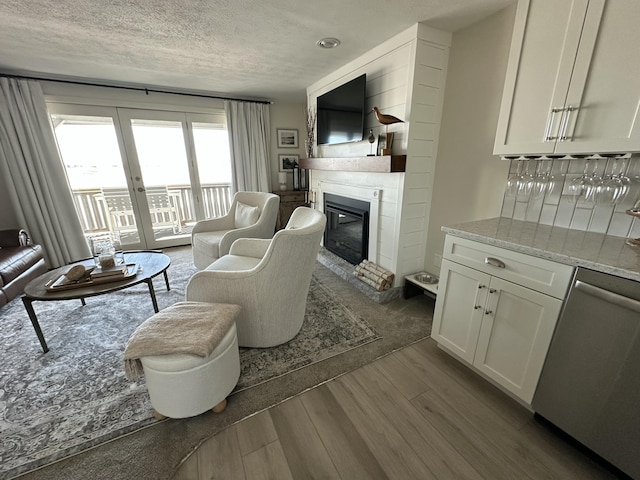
{"x": 477, "y": 307}
{"x": 494, "y": 262}
{"x": 492, "y": 290}
{"x": 488, "y": 312}
{"x": 547, "y": 129}
{"x": 480, "y": 287}
{"x": 565, "y": 123}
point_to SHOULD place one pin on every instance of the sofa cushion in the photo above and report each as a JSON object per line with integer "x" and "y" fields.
{"x": 209, "y": 242}
{"x": 246, "y": 215}
{"x": 16, "y": 260}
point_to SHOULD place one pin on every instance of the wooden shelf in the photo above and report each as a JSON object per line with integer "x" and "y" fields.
{"x": 384, "y": 164}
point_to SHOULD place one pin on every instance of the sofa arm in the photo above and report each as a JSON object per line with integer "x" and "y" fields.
{"x": 14, "y": 238}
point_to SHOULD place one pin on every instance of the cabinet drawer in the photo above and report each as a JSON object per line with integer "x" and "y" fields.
{"x": 298, "y": 197}
{"x": 542, "y": 275}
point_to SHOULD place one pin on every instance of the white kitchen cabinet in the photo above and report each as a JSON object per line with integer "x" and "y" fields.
{"x": 500, "y": 327}
{"x": 459, "y": 309}
{"x": 573, "y": 79}
{"x": 514, "y": 337}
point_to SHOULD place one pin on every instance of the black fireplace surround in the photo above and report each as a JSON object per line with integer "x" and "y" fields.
{"x": 347, "y": 232}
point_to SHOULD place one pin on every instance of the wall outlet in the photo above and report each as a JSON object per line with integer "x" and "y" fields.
{"x": 437, "y": 260}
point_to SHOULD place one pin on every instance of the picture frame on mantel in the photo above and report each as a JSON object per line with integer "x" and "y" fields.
{"x": 384, "y": 144}
{"x": 286, "y": 162}
{"x": 381, "y": 144}
{"x": 287, "y": 138}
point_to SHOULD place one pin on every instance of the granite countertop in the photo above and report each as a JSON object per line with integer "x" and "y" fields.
{"x": 596, "y": 251}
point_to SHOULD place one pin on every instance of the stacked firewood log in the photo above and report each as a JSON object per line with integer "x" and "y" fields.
{"x": 374, "y": 275}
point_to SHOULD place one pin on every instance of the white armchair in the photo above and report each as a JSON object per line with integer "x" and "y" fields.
{"x": 252, "y": 215}
{"x": 269, "y": 279}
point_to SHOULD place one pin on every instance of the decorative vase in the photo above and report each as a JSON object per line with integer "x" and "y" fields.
{"x": 282, "y": 180}
{"x": 308, "y": 146}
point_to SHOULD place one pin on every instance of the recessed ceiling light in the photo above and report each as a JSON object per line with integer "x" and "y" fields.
{"x": 328, "y": 42}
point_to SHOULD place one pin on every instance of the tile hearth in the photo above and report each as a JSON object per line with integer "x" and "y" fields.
{"x": 344, "y": 270}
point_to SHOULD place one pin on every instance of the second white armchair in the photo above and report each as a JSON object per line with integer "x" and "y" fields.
{"x": 252, "y": 215}
{"x": 269, "y": 279}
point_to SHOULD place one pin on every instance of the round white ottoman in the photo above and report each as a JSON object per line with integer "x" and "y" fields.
{"x": 183, "y": 386}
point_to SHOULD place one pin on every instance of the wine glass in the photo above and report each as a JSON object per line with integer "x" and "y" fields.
{"x": 543, "y": 183}
{"x": 576, "y": 186}
{"x": 608, "y": 188}
{"x": 525, "y": 183}
{"x": 513, "y": 180}
{"x": 590, "y": 184}
{"x": 625, "y": 184}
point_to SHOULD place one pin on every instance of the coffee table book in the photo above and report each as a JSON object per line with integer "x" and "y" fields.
{"x": 119, "y": 270}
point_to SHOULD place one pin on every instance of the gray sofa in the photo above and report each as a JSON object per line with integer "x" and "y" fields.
{"x": 20, "y": 262}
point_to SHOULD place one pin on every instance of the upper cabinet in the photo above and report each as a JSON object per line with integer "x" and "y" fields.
{"x": 573, "y": 79}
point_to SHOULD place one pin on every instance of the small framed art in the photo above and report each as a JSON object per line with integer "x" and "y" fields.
{"x": 287, "y": 138}
{"x": 287, "y": 161}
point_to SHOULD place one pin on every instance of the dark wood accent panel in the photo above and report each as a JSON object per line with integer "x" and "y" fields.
{"x": 383, "y": 164}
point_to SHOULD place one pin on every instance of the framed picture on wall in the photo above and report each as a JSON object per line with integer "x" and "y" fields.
{"x": 287, "y": 138}
{"x": 286, "y": 162}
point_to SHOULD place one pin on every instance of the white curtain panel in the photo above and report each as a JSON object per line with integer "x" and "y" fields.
{"x": 249, "y": 140}
{"x": 34, "y": 175}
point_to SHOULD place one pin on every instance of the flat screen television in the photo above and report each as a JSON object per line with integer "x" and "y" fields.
{"x": 340, "y": 113}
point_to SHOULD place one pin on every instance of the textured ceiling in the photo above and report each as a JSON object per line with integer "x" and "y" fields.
{"x": 243, "y": 48}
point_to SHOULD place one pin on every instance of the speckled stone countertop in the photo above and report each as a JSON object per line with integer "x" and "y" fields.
{"x": 596, "y": 251}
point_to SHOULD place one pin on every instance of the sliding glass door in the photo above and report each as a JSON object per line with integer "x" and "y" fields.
{"x": 148, "y": 175}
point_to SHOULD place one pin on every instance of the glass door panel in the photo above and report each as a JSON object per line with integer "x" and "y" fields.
{"x": 147, "y": 175}
{"x": 162, "y": 159}
{"x": 211, "y": 143}
{"x": 96, "y": 172}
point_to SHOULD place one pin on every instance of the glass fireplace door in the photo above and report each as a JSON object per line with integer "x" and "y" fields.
{"x": 347, "y": 231}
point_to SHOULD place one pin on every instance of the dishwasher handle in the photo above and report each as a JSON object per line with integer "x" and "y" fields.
{"x": 607, "y": 296}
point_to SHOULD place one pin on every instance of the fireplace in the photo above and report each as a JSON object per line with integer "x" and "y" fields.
{"x": 347, "y": 232}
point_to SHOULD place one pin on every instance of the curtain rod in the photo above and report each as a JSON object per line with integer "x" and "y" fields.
{"x": 138, "y": 89}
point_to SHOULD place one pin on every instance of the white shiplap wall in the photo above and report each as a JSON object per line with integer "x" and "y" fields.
{"x": 425, "y": 112}
{"x": 405, "y": 78}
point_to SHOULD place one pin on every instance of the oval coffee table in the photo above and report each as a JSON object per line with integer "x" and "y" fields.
{"x": 150, "y": 264}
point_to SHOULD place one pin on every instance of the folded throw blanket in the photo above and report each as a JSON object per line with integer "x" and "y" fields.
{"x": 193, "y": 328}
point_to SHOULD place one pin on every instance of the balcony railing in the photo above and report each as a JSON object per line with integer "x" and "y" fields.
{"x": 95, "y": 216}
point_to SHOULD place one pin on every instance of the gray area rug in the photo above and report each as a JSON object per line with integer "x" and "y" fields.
{"x": 75, "y": 397}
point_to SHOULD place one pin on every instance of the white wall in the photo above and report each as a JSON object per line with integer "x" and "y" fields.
{"x": 286, "y": 116}
{"x": 426, "y": 105}
{"x": 469, "y": 178}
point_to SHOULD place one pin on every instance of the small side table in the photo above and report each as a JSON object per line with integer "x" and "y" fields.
{"x": 421, "y": 282}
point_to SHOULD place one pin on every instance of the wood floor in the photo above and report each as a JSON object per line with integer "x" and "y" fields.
{"x": 415, "y": 414}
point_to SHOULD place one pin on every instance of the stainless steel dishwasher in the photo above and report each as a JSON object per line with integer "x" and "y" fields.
{"x": 590, "y": 382}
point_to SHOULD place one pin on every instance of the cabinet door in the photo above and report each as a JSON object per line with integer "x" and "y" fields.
{"x": 543, "y": 51}
{"x": 514, "y": 337}
{"x": 459, "y": 308}
{"x": 605, "y": 85}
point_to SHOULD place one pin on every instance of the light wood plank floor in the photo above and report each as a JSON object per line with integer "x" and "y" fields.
{"x": 414, "y": 414}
